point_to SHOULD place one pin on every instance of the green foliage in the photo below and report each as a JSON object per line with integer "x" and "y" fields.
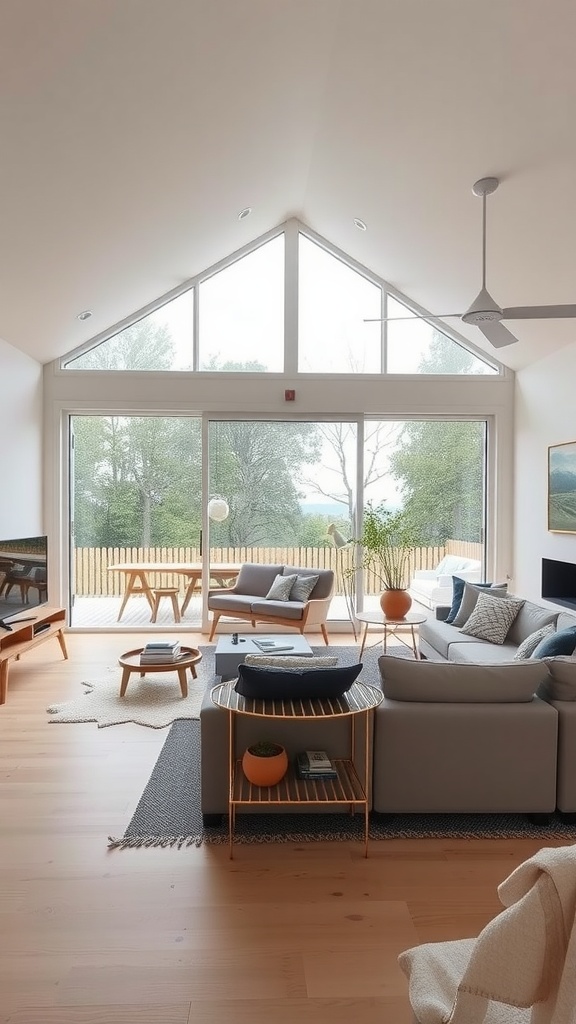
{"x": 387, "y": 541}
{"x": 265, "y": 748}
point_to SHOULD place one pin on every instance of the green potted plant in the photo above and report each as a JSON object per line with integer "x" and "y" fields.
{"x": 265, "y": 763}
{"x": 387, "y": 543}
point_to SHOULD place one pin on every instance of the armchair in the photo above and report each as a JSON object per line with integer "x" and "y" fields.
{"x": 432, "y": 587}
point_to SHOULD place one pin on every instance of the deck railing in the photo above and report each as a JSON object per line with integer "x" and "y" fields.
{"x": 92, "y": 577}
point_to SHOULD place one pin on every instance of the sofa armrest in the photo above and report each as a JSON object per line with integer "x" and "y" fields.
{"x": 425, "y": 574}
{"x": 442, "y": 612}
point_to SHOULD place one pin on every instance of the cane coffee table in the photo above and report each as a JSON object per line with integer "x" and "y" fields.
{"x": 130, "y": 662}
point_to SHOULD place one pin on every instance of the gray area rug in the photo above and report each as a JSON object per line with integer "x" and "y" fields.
{"x": 168, "y": 813}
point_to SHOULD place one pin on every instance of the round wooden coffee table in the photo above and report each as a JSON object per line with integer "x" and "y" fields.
{"x": 130, "y": 662}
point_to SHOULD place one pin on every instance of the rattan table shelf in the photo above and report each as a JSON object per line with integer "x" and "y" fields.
{"x": 347, "y": 789}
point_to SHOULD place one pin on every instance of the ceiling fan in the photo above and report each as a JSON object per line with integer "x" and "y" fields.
{"x": 484, "y": 312}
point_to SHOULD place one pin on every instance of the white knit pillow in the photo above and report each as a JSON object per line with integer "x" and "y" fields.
{"x": 291, "y": 662}
{"x": 529, "y": 645}
{"x": 492, "y": 618}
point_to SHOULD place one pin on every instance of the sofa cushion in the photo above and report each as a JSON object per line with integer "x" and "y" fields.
{"x": 228, "y": 601}
{"x": 291, "y": 661}
{"x": 458, "y": 585}
{"x": 560, "y": 683}
{"x": 441, "y": 682}
{"x": 283, "y": 609}
{"x": 564, "y": 620}
{"x": 528, "y": 646}
{"x": 530, "y": 618}
{"x": 325, "y": 584}
{"x": 480, "y": 652}
{"x": 491, "y": 618}
{"x": 561, "y": 642}
{"x": 276, "y": 684}
{"x": 470, "y": 596}
{"x": 281, "y": 587}
{"x": 256, "y": 579}
{"x": 303, "y": 587}
{"x": 442, "y": 637}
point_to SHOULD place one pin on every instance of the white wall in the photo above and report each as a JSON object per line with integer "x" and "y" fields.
{"x": 545, "y": 415}
{"x": 21, "y": 513}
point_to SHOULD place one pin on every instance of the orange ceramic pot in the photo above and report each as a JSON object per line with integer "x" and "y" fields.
{"x": 265, "y": 770}
{"x": 395, "y": 603}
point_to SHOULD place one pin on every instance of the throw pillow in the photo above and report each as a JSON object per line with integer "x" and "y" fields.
{"x": 280, "y": 589}
{"x": 275, "y": 684}
{"x": 470, "y": 596}
{"x": 562, "y": 642}
{"x": 303, "y": 587}
{"x": 491, "y": 618}
{"x": 447, "y": 682}
{"x": 529, "y": 645}
{"x": 291, "y": 661}
{"x": 458, "y": 585}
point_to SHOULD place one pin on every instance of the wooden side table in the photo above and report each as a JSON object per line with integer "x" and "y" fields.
{"x": 130, "y": 662}
{"x": 348, "y": 789}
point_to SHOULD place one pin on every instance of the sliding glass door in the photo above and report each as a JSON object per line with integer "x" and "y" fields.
{"x": 135, "y": 501}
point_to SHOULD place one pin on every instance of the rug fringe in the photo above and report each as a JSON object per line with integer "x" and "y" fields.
{"x": 137, "y": 842}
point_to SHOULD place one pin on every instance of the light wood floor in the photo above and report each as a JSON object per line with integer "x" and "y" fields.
{"x": 306, "y": 933}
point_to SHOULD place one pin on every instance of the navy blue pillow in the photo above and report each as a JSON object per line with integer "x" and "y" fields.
{"x": 562, "y": 642}
{"x": 267, "y": 683}
{"x": 457, "y": 595}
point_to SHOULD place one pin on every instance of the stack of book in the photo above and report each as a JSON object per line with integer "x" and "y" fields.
{"x": 272, "y": 646}
{"x": 315, "y": 764}
{"x": 160, "y": 652}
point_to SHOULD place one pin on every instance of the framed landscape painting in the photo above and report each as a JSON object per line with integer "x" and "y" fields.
{"x": 562, "y": 488}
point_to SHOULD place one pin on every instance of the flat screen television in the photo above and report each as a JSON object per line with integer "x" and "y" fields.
{"x": 23, "y": 577}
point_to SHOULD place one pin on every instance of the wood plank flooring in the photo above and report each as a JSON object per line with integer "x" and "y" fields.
{"x": 294, "y": 932}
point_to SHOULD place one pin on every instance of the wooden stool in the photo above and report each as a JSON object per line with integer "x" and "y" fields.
{"x": 160, "y": 592}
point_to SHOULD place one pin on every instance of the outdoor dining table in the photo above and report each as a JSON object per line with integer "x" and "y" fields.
{"x": 138, "y": 578}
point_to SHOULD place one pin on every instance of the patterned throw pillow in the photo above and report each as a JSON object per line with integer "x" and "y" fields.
{"x": 280, "y": 589}
{"x": 292, "y": 662}
{"x": 529, "y": 645}
{"x": 492, "y": 618}
{"x": 303, "y": 587}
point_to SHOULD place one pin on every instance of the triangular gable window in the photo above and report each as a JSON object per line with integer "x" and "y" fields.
{"x": 238, "y": 310}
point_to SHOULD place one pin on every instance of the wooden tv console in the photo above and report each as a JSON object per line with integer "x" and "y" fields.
{"x": 23, "y": 636}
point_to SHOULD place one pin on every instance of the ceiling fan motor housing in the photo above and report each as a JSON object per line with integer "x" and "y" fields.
{"x": 482, "y": 309}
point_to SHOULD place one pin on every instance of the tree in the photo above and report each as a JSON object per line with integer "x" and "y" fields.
{"x": 440, "y": 463}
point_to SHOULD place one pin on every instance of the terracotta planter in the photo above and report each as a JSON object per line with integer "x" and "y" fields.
{"x": 395, "y": 603}
{"x": 265, "y": 770}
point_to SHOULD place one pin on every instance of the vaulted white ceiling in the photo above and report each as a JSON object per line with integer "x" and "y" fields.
{"x": 134, "y": 131}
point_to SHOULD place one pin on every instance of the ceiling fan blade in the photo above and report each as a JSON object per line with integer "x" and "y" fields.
{"x": 497, "y": 334}
{"x": 538, "y": 312}
{"x": 415, "y": 316}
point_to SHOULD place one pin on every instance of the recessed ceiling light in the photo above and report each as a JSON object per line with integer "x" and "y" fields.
{"x": 85, "y": 315}
{"x": 245, "y": 213}
{"x": 359, "y": 224}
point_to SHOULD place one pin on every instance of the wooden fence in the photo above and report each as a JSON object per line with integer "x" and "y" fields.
{"x": 92, "y": 578}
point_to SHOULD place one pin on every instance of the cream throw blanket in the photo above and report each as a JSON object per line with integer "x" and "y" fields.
{"x": 522, "y": 967}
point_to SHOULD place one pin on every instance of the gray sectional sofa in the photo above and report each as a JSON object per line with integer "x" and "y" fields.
{"x": 440, "y": 641}
{"x": 466, "y": 730}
